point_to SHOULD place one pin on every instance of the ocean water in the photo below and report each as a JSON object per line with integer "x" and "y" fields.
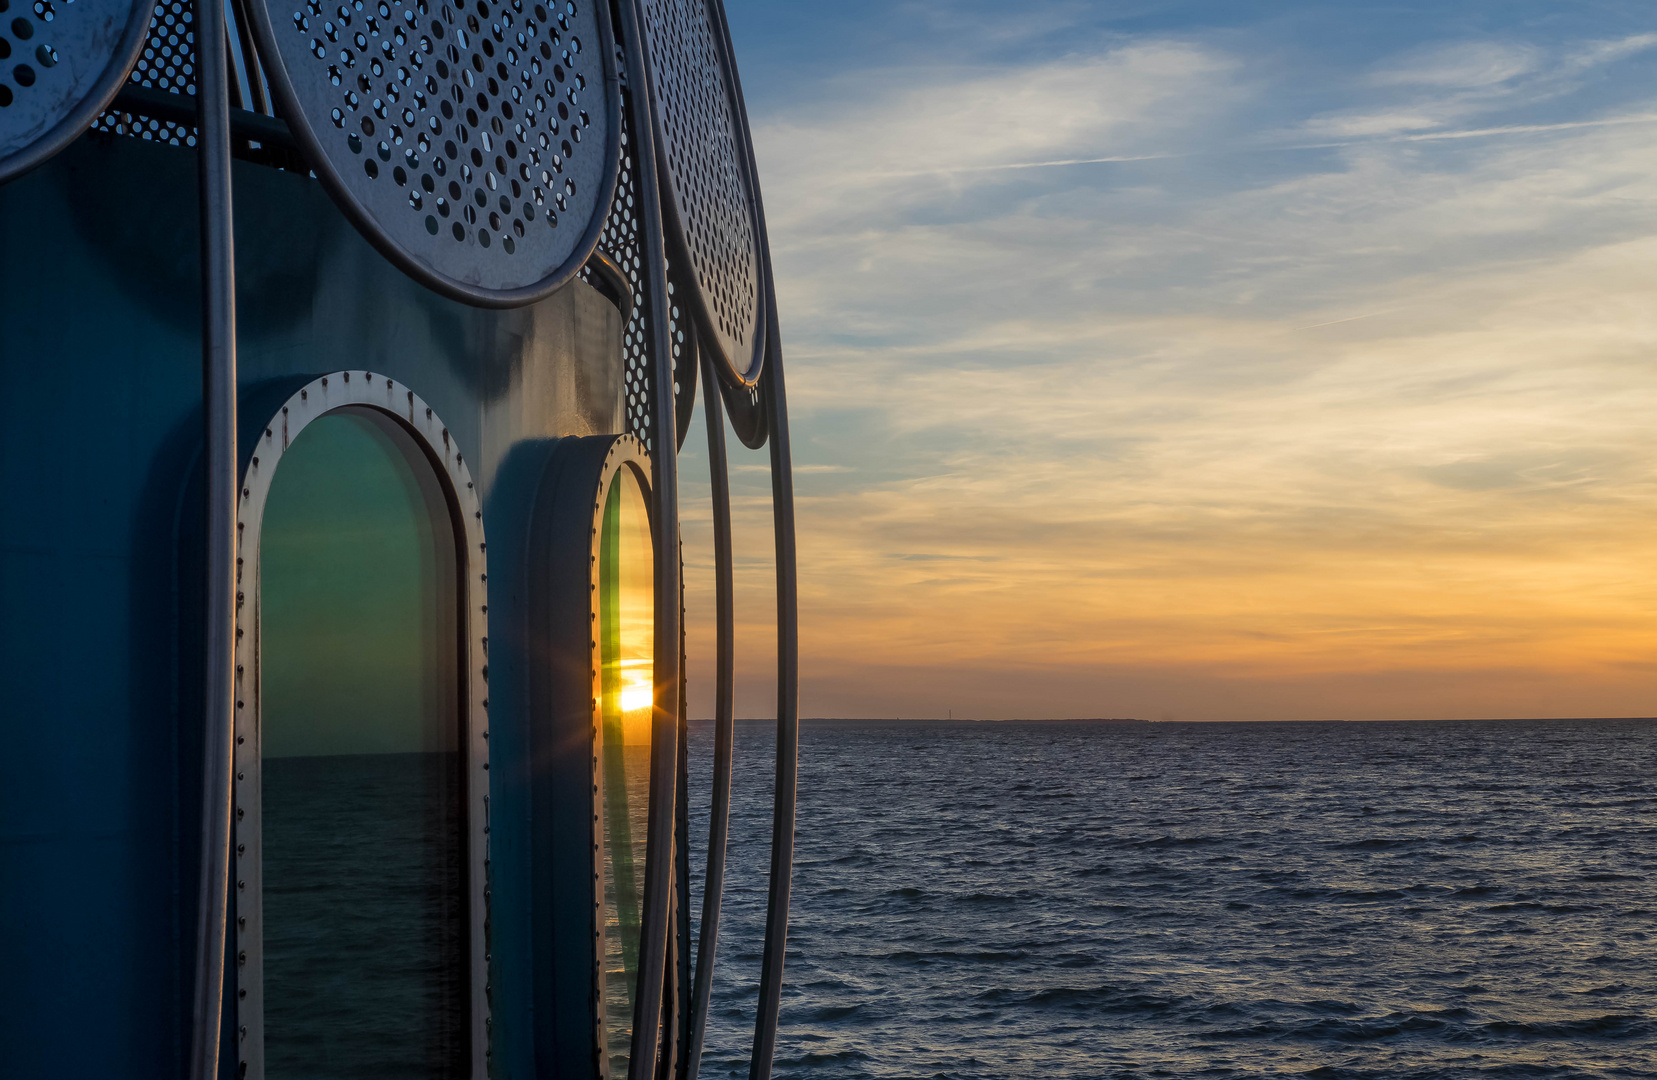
{"x": 1400, "y": 900}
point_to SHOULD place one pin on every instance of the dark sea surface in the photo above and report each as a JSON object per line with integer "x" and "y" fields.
{"x": 1452, "y": 899}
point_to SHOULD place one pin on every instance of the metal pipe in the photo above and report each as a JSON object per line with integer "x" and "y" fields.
{"x": 788, "y": 611}
{"x": 218, "y": 354}
{"x": 179, "y": 109}
{"x": 676, "y": 972}
{"x": 658, "y": 878}
{"x": 719, "y": 813}
{"x": 252, "y": 68}
{"x": 788, "y": 713}
{"x": 239, "y": 87}
{"x": 673, "y": 1064}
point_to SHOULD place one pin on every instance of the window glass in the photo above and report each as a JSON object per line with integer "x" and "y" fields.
{"x": 363, "y": 790}
{"x": 626, "y": 647}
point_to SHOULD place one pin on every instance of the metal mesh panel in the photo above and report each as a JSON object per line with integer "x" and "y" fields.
{"x": 59, "y": 59}
{"x": 708, "y": 182}
{"x": 623, "y": 241}
{"x": 168, "y": 63}
{"x": 468, "y": 134}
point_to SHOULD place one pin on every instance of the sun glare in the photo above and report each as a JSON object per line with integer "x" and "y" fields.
{"x": 636, "y": 696}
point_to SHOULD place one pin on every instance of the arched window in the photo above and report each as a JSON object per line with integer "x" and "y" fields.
{"x": 359, "y": 792}
{"x": 593, "y": 581}
{"x": 626, "y": 646}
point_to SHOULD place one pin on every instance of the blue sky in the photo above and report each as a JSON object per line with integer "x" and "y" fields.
{"x": 1212, "y": 360}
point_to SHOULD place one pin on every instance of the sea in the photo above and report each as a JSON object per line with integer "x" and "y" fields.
{"x": 1331, "y": 900}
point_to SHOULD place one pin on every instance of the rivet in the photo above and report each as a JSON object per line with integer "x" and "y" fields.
{"x": 347, "y": 379}
{"x": 304, "y": 395}
{"x": 325, "y": 381}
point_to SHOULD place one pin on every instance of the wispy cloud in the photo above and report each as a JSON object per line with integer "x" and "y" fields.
{"x": 1463, "y": 65}
{"x": 1441, "y": 84}
{"x": 1242, "y": 421}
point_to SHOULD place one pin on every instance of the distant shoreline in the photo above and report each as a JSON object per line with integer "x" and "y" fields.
{"x": 1131, "y": 721}
{"x": 935, "y": 720}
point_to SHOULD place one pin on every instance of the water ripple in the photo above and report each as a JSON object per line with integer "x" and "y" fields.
{"x": 1341, "y": 901}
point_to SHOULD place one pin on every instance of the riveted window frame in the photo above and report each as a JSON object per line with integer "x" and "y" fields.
{"x": 330, "y": 393}
{"x": 568, "y": 743}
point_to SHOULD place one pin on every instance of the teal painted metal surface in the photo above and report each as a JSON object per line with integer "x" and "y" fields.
{"x": 100, "y": 574}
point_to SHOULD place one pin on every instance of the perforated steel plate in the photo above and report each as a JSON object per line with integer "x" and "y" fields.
{"x": 712, "y": 203}
{"x": 473, "y": 143}
{"x": 61, "y": 61}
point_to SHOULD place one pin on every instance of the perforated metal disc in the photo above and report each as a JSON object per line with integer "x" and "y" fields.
{"x": 712, "y": 201}
{"x": 61, "y": 61}
{"x": 474, "y": 143}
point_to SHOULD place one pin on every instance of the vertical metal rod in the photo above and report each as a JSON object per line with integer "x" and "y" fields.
{"x": 676, "y": 973}
{"x": 658, "y": 878}
{"x": 788, "y": 641}
{"x": 252, "y": 69}
{"x": 238, "y": 86}
{"x": 218, "y": 354}
{"x": 788, "y": 711}
{"x": 679, "y": 976}
{"x": 719, "y": 813}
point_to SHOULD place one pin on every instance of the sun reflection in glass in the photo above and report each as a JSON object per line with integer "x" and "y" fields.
{"x": 626, "y": 618}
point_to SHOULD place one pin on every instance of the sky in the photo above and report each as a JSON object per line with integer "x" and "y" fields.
{"x": 1206, "y": 361}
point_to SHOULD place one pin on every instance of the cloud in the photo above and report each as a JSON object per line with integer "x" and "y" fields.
{"x": 1441, "y": 84}
{"x": 1355, "y": 432}
{"x": 864, "y": 146}
{"x": 1594, "y": 53}
{"x": 1463, "y": 65}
